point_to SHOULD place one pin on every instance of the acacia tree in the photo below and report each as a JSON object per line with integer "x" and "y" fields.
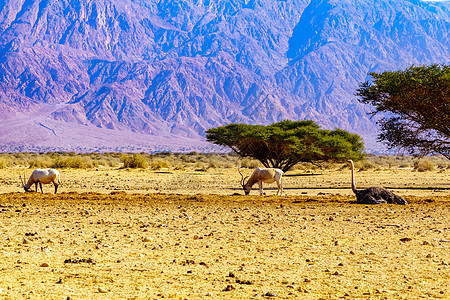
{"x": 286, "y": 143}
{"x": 416, "y": 103}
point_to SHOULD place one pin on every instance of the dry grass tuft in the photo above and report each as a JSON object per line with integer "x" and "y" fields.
{"x": 424, "y": 165}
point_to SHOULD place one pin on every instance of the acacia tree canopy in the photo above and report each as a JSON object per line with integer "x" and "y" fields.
{"x": 416, "y": 103}
{"x": 286, "y": 143}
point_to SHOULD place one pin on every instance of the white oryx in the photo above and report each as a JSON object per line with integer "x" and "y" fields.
{"x": 42, "y": 176}
{"x": 260, "y": 175}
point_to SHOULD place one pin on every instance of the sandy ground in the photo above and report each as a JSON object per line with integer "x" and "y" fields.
{"x": 226, "y": 181}
{"x": 133, "y": 234}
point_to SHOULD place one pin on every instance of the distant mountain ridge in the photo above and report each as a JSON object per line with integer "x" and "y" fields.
{"x": 135, "y": 75}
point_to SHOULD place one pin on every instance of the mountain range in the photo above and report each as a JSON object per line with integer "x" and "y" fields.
{"x": 153, "y": 75}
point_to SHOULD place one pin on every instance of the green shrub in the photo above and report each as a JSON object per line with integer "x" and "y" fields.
{"x": 60, "y": 162}
{"x": 199, "y": 166}
{"x": 159, "y": 163}
{"x": 134, "y": 161}
{"x": 229, "y": 165}
{"x": 366, "y": 165}
{"x": 177, "y": 165}
{"x": 109, "y": 160}
{"x": 214, "y": 163}
{"x": 40, "y": 162}
{"x": 5, "y": 162}
{"x": 75, "y": 162}
{"x": 424, "y": 165}
{"x": 250, "y": 163}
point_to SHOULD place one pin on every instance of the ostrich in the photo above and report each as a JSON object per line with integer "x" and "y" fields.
{"x": 375, "y": 194}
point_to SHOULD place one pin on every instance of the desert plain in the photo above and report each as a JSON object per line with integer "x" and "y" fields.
{"x": 112, "y": 233}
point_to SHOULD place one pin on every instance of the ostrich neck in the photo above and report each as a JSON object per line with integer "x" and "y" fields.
{"x": 353, "y": 179}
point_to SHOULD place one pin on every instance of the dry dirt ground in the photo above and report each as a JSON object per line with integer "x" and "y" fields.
{"x": 138, "y": 234}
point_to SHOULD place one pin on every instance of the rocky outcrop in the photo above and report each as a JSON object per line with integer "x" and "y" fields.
{"x": 171, "y": 69}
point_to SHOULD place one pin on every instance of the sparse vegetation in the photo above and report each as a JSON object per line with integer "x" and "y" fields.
{"x": 203, "y": 161}
{"x": 134, "y": 161}
{"x": 424, "y": 165}
{"x": 59, "y": 160}
{"x": 250, "y": 163}
{"x": 158, "y": 163}
{"x": 366, "y": 165}
{"x": 5, "y": 162}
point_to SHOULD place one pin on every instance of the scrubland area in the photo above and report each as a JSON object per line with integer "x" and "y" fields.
{"x": 177, "y": 226}
{"x": 196, "y": 161}
{"x": 195, "y": 173}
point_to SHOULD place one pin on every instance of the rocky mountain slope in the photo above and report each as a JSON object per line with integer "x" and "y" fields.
{"x": 148, "y": 75}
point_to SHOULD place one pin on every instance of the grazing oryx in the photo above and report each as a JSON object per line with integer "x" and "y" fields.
{"x": 42, "y": 176}
{"x": 261, "y": 175}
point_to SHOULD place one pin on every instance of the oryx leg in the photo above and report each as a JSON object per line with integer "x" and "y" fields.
{"x": 260, "y": 188}
{"x": 56, "y": 186}
{"x": 280, "y": 188}
{"x": 40, "y": 185}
